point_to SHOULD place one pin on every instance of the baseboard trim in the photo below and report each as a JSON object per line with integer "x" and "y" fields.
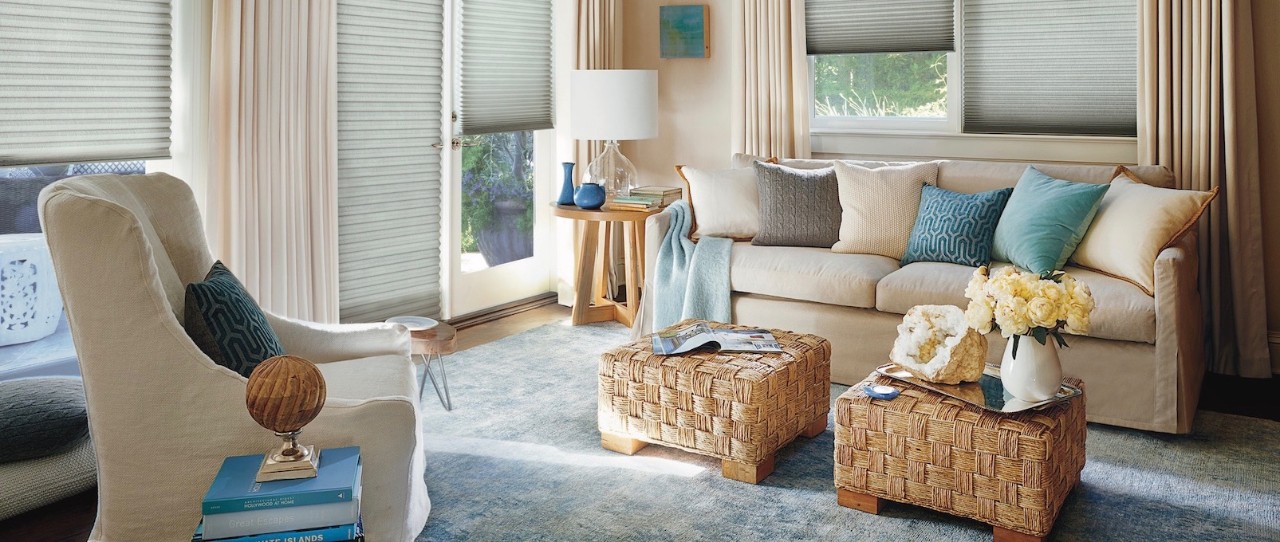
{"x": 502, "y": 311}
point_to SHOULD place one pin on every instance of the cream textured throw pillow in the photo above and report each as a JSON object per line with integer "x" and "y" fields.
{"x": 725, "y": 203}
{"x": 879, "y": 206}
{"x": 1134, "y": 223}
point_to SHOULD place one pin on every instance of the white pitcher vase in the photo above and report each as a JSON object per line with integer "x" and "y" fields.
{"x": 1034, "y": 374}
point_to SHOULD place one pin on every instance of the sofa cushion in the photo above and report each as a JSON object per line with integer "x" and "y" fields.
{"x": 725, "y": 203}
{"x": 1044, "y": 221}
{"x": 879, "y": 206}
{"x": 1123, "y": 311}
{"x": 40, "y": 417}
{"x": 809, "y": 274}
{"x": 954, "y": 227}
{"x": 797, "y": 207}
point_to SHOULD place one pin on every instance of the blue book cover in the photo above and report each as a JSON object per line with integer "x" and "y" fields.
{"x": 234, "y": 488}
{"x": 337, "y": 533}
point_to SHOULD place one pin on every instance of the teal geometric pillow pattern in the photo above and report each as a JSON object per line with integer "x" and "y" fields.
{"x": 225, "y": 322}
{"x": 1044, "y": 221}
{"x": 955, "y": 228}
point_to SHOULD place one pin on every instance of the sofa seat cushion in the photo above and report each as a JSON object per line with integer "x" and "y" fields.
{"x": 1123, "y": 311}
{"x": 808, "y": 274}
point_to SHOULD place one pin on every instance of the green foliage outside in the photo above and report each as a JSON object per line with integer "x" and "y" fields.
{"x": 495, "y": 167}
{"x": 881, "y": 85}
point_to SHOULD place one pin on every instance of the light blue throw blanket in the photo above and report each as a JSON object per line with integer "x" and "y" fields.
{"x": 691, "y": 279}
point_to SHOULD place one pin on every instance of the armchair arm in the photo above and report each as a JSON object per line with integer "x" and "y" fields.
{"x": 1179, "y": 332}
{"x": 322, "y": 343}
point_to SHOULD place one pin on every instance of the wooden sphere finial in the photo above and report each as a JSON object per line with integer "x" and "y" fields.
{"x": 285, "y": 393}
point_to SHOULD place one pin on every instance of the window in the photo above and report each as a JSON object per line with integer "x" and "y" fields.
{"x": 1040, "y": 67}
{"x": 20, "y": 187}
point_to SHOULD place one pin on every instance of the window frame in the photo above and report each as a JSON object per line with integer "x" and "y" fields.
{"x": 917, "y": 138}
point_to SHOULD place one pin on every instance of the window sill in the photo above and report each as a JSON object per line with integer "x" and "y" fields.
{"x": 903, "y": 145}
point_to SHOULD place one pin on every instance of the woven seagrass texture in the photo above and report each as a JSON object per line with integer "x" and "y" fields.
{"x": 923, "y": 448}
{"x": 737, "y": 406}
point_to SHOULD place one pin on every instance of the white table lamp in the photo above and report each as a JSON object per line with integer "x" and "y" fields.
{"x": 613, "y": 105}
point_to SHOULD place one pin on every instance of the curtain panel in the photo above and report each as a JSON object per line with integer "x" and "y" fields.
{"x": 771, "y": 86}
{"x": 1197, "y": 115}
{"x": 273, "y": 152}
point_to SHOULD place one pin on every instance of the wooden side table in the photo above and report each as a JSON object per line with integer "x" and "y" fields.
{"x": 591, "y": 301}
{"x": 430, "y": 346}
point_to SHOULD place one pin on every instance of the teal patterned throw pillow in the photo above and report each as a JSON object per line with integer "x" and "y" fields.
{"x": 226, "y": 323}
{"x": 955, "y": 228}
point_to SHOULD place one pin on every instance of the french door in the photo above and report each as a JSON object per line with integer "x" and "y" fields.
{"x": 497, "y": 240}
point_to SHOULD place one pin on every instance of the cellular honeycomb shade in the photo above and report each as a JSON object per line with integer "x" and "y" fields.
{"x": 879, "y": 26}
{"x": 504, "y": 57}
{"x": 84, "y": 81}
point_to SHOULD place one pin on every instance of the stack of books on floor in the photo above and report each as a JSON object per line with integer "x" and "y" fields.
{"x": 645, "y": 198}
{"x": 325, "y": 508}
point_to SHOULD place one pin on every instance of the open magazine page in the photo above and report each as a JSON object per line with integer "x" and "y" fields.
{"x": 698, "y": 335}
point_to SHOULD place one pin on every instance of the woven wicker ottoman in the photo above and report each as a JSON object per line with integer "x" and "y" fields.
{"x": 741, "y": 408}
{"x": 1012, "y": 471}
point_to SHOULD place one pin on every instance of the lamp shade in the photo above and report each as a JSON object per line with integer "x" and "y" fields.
{"x": 614, "y": 104}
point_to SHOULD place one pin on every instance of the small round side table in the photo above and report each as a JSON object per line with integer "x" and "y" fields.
{"x": 430, "y": 346}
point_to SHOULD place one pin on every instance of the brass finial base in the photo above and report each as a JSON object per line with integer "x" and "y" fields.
{"x": 290, "y": 462}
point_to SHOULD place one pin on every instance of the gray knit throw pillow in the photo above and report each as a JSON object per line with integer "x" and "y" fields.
{"x": 41, "y": 416}
{"x": 798, "y": 207}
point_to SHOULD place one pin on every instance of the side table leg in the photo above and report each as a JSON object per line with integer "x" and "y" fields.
{"x": 858, "y": 501}
{"x": 422, "y": 380}
{"x": 443, "y": 395}
{"x": 582, "y": 290}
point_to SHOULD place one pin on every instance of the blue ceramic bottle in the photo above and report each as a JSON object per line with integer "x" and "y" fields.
{"x": 589, "y": 196}
{"x": 566, "y": 191}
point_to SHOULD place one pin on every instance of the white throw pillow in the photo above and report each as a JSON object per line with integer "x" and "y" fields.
{"x": 879, "y": 206}
{"x": 1134, "y": 223}
{"x": 725, "y": 203}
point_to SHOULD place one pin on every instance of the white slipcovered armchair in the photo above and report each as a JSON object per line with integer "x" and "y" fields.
{"x": 162, "y": 414}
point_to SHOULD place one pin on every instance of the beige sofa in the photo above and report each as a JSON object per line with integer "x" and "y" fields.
{"x": 1142, "y": 363}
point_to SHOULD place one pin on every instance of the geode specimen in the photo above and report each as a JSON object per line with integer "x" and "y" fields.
{"x": 936, "y": 344}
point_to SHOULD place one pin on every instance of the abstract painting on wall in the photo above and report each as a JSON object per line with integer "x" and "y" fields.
{"x": 683, "y": 31}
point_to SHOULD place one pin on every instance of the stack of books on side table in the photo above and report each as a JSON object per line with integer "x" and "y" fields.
{"x": 645, "y": 198}
{"x": 325, "y": 508}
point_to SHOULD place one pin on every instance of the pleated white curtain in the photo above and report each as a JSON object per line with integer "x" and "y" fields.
{"x": 771, "y": 86}
{"x": 1197, "y": 115}
{"x": 599, "y": 47}
{"x": 273, "y": 152}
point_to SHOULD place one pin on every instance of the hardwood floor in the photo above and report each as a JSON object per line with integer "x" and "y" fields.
{"x": 71, "y": 519}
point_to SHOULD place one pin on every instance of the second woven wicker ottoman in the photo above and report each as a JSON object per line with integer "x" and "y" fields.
{"x": 1012, "y": 471}
{"x": 739, "y": 407}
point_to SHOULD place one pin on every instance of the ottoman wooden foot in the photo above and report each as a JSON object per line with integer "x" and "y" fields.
{"x": 618, "y": 443}
{"x": 1001, "y": 534}
{"x": 858, "y": 501}
{"x": 746, "y": 472}
{"x": 815, "y": 428}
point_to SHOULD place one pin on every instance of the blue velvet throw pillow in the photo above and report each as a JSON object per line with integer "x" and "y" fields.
{"x": 1044, "y": 221}
{"x": 227, "y": 324}
{"x": 955, "y": 228}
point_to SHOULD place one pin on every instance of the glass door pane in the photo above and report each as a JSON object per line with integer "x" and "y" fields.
{"x": 497, "y": 199}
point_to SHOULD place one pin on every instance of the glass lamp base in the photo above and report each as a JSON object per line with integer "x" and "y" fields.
{"x": 613, "y": 171}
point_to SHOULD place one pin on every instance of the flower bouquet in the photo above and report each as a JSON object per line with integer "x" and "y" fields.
{"x": 1019, "y": 303}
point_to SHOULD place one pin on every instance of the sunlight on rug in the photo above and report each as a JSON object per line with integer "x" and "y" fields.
{"x": 519, "y": 458}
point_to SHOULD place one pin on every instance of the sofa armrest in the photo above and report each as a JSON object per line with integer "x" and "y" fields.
{"x": 1180, "y": 328}
{"x": 321, "y": 343}
{"x": 655, "y": 231}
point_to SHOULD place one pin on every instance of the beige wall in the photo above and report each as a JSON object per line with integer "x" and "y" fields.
{"x": 694, "y": 96}
{"x": 1266, "y": 18}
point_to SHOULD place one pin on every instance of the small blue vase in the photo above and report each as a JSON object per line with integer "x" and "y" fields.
{"x": 589, "y": 196}
{"x": 566, "y": 191}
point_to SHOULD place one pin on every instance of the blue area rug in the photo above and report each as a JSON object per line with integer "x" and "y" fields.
{"x": 519, "y": 458}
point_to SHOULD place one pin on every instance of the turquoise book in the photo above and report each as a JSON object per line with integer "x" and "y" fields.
{"x": 234, "y": 488}
{"x": 337, "y": 533}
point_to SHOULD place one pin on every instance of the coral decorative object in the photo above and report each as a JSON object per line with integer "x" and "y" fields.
{"x": 935, "y": 343}
{"x": 30, "y": 306}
